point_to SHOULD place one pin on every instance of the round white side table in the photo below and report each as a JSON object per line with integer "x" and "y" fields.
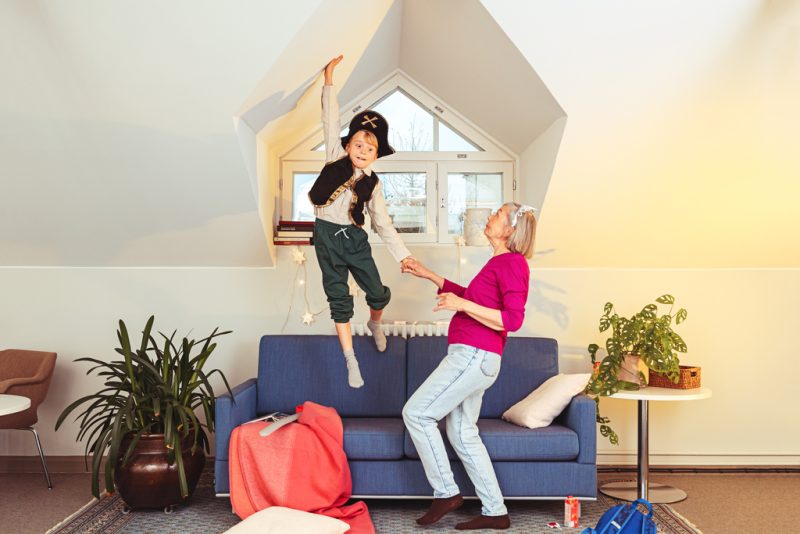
{"x": 13, "y": 403}
{"x": 642, "y": 488}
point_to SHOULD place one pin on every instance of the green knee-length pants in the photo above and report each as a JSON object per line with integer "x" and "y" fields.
{"x": 342, "y": 249}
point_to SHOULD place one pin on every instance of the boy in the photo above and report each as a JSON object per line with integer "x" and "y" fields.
{"x": 343, "y": 189}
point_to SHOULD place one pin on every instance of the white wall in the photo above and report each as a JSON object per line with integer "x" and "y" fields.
{"x": 739, "y": 330}
{"x": 675, "y": 174}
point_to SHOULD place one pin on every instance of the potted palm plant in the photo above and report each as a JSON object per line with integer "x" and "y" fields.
{"x": 144, "y": 418}
{"x": 645, "y": 336}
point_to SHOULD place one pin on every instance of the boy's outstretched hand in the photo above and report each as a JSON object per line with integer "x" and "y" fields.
{"x": 329, "y": 69}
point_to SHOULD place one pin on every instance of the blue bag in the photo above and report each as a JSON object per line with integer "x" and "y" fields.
{"x": 625, "y": 519}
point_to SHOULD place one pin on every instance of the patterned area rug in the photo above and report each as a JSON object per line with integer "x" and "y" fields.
{"x": 207, "y": 514}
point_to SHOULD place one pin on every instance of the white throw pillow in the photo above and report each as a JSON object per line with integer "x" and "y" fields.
{"x": 280, "y": 520}
{"x": 546, "y": 402}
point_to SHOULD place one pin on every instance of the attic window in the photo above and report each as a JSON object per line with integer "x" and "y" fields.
{"x": 414, "y": 128}
{"x": 443, "y": 164}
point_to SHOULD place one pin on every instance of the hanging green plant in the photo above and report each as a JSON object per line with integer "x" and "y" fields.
{"x": 646, "y": 335}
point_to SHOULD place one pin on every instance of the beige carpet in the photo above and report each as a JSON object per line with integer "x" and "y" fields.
{"x": 717, "y": 503}
{"x": 734, "y": 503}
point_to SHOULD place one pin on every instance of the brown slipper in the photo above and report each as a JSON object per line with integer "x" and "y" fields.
{"x": 498, "y": 522}
{"x": 440, "y": 508}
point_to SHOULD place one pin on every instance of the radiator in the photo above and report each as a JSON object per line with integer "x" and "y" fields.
{"x": 405, "y": 328}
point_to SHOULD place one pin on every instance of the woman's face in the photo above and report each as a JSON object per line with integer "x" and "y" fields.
{"x": 498, "y": 226}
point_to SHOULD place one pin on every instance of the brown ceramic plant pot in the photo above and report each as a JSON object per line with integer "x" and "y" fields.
{"x": 148, "y": 481}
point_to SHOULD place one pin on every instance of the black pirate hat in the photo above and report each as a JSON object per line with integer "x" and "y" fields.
{"x": 371, "y": 121}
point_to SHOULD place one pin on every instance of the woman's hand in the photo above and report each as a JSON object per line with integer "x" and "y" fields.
{"x": 449, "y": 301}
{"x": 405, "y": 262}
{"x": 329, "y": 69}
{"x": 415, "y": 267}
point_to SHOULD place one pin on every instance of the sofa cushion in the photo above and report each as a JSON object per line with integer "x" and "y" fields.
{"x": 278, "y": 519}
{"x": 526, "y": 364}
{"x": 507, "y": 442}
{"x": 295, "y": 369}
{"x": 373, "y": 438}
{"x": 546, "y": 402}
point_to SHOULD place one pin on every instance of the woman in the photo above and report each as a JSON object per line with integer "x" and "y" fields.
{"x": 491, "y": 306}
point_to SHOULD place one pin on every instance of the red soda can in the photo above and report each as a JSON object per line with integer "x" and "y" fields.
{"x": 572, "y": 512}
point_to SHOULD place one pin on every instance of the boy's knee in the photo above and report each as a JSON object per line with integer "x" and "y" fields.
{"x": 341, "y": 309}
{"x": 379, "y": 300}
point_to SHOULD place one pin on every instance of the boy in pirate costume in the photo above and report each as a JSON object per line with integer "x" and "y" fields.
{"x": 343, "y": 189}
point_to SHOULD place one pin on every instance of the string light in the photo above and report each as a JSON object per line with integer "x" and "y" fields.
{"x": 299, "y": 257}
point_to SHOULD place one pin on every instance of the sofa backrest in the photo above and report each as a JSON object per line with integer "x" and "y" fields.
{"x": 293, "y": 369}
{"x": 527, "y": 363}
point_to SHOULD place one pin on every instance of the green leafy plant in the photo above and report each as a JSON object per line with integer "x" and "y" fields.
{"x": 645, "y": 334}
{"x": 152, "y": 389}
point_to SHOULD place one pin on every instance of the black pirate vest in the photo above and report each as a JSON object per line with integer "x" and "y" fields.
{"x": 332, "y": 182}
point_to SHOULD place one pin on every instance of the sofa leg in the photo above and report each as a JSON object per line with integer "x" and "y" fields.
{"x": 41, "y": 455}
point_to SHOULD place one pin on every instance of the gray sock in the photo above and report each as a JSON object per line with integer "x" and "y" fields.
{"x": 353, "y": 372}
{"x": 377, "y": 333}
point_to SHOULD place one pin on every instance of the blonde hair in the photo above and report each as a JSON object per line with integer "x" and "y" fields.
{"x": 369, "y": 137}
{"x": 522, "y": 238}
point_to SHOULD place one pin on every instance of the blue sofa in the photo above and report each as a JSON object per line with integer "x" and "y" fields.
{"x": 543, "y": 463}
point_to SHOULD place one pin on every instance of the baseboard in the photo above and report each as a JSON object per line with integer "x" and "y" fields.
{"x": 700, "y": 459}
{"x": 32, "y": 464}
{"x": 55, "y": 464}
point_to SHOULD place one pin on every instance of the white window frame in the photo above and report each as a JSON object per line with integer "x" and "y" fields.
{"x": 427, "y": 167}
{"x": 492, "y": 158}
{"x": 286, "y": 185}
{"x": 505, "y": 168}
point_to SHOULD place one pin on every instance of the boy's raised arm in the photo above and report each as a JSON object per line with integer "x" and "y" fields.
{"x": 330, "y": 115}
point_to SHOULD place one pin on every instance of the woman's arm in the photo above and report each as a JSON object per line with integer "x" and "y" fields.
{"x": 416, "y": 268}
{"x": 486, "y": 316}
{"x": 513, "y": 285}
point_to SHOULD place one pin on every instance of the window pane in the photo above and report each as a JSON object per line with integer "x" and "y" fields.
{"x": 410, "y": 125}
{"x": 449, "y": 140}
{"x": 471, "y": 191}
{"x": 302, "y": 208}
{"x": 406, "y": 200}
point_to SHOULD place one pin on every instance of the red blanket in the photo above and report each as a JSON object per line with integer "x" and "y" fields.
{"x": 300, "y": 466}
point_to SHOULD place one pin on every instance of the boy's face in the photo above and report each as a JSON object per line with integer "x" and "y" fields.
{"x": 362, "y": 153}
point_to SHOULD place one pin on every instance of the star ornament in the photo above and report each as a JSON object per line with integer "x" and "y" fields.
{"x": 308, "y": 318}
{"x": 353, "y": 288}
{"x": 298, "y": 256}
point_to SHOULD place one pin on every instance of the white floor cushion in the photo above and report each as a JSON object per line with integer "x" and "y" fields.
{"x": 546, "y": 402}
{"x": 280, "y": 520}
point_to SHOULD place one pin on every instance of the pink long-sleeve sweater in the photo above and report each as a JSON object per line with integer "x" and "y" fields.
{"x": 502, "y": 284}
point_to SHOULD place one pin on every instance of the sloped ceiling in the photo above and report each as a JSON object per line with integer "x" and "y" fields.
{"x": 116, "y": 141}
{"x": 116, "y": 146}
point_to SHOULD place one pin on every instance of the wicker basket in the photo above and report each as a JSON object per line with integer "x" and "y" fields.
{"x": 689, "y": 379}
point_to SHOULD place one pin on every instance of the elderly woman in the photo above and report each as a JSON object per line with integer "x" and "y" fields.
{"x": 492, "y": 305}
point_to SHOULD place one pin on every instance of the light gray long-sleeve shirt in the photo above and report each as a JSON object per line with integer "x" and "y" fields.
{"x": 338, "y": 211}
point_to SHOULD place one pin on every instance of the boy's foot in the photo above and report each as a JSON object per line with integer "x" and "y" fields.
{"x": 353, "y": 372}
{"x": 440, "y": 508}
{"x": 498, "y": 522}
{"x": 377, "y": 334}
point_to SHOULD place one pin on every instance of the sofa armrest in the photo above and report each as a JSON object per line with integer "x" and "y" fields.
{"x": 232, "y": 411}
{"x": 580, "y": 416}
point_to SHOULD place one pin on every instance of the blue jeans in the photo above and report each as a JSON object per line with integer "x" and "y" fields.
{"x": 455, "y": 390}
